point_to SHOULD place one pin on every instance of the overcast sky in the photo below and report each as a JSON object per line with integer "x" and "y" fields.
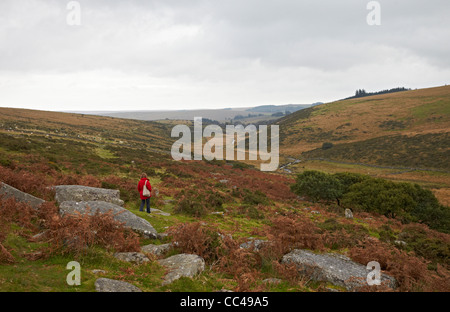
{"x": 152, "y": 55}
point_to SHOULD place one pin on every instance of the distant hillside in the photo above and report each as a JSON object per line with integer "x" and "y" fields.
{"x": 238, "y": 222}
{"x": 362, "y": 93}
{"x": 253, "y": 114}
{"x": 35, "y": 124}
{"x": 213, "y": 114}
{"x": 405, "y": 128}
{"x": 278, "y": 108}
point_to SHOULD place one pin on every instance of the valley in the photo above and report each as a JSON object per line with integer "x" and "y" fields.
{"x": 211, "y": 208}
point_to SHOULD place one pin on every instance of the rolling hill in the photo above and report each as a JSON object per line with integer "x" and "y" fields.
{"x": 403, "y": 136}
{"x": 245, "y": 115}
{"x": 84, "y": 128}
{"x": 409, "y": 113}
{"x": 212, "y": 208}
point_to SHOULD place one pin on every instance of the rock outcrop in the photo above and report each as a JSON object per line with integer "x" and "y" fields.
{"x": 110, "y": 285}
{"x": 254, "y": 244}
{"x": 348, "y": 214}
{"x": 159, "y": 212}
{"x": 336, "y": 269}
{"x": 132, "y": 257}
{"x": 120, "y": 214}
{"x": 187, "y": 265}
{"x": 156, "y": 250}
{"x": 79, "y": 193}
{"x": 8, "y": 191}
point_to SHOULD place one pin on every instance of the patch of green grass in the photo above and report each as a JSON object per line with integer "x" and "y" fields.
{"x": 104, "y": 153}
{"x": 439, "y": 107}
{"x": 37, "y": 276}
{"x": 147, "y": 276}
{"x": 241, "y": 225}
{"x": 160, "y": 222}
{"x": 208, "y": 281}
{"x": 419, "y": 151}
{"x": 43, "y": 275}
{"x": 51, "y": 274}
{"x": 285, "y": 286}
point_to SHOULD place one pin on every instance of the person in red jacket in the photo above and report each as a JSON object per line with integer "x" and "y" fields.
{"x": 145, "y": 200}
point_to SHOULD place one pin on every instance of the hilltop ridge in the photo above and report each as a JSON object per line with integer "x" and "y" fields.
{"x": 384, "y": 116}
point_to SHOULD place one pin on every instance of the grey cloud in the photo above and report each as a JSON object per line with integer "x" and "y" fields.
{"x": 269, "y": 45}
{"x": 126, "y": 34}
{"x": 284, "y": 33}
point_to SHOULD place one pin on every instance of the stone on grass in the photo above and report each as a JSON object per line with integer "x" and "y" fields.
{"x": 10, "y": 192}
{"x": 81, "y": 193}
{"x": 348, "y": 214}
{"x": 132, "y": 257}
{"x": 159, "y": 212}
{"x": 182, "y": 265}
{"x": 400, "y": 243}
{"x": 336, "y": 269}
{"x": 110, "y": 285}
{"x": 156, "y": 250}
{"x": 120, "y": 214}
{"x": 254, "y": 244}
{"x": 272, "y": 280}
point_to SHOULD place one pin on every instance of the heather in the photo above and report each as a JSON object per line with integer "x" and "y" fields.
{"x": 211, "y": 210}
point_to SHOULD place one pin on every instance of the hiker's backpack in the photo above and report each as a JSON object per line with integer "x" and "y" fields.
{"x": 145, "y": 191}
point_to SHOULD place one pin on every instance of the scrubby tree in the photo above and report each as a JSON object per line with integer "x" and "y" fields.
{"x": 360, "y": 93}
{"x": 405, "y": 201}
{"x": 317, "y": 186}
{"x": 427, "y": 208}
{"x": 380, "y": 196}
{"x": 347, "y": 179}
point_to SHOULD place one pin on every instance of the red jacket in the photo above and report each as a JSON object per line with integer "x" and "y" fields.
{"x": 141, "y": 187}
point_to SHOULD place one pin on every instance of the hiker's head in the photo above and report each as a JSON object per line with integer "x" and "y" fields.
{"x": 143, "y": 175}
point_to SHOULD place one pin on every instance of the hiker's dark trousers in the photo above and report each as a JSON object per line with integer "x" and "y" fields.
{"x": 145, "y": 202}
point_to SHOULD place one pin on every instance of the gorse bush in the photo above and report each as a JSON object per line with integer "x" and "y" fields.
{"x": 431, "y": 245}
{"x": 254, "y": 198}
{"x": 347, "y": 179}
{"x": 250, "y": 197}
{"x": 405, "y": 201}
{"x": 198, "y": 203}
{"x": 337, "y": 235}
{"x": 253, "y": 212}
{"x": 191, "y": 205}
{"x": 380, "y": 196}
{"x": 327, "y": 145}
{"x": 317, "y": 186}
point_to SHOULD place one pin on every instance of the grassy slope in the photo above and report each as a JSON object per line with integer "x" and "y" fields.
{"x": 47, "y": 143}
{"x": 407, "y": 113}
{"x": 402, "y": 130}
{"x": 70, "y": 144}
{"x": 85, "y": 128}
